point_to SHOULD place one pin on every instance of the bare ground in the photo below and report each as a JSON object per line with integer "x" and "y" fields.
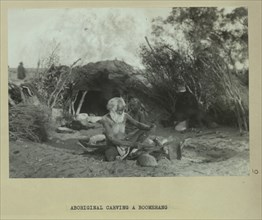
{"x": 216, "y": 152}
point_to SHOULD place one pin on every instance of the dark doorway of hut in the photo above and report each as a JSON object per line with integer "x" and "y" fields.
{"x": 93, "y": 102}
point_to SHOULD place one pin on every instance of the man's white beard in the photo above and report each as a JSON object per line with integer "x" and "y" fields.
{"x": 116, "y": 117}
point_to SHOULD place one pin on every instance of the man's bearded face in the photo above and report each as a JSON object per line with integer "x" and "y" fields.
{"x": 117, "y": 110}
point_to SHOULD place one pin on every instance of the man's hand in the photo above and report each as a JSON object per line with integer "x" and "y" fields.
{"x": 152, "y": 127}
{"x": 135, "y": 145}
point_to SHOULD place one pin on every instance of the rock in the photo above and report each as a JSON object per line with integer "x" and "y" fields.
{"x": 85, "y": 119}
{"x": 81, "y": 119}
{"x": 94, "y": 119}
{"x": 181, "y": 126}
{"x": 97, "y": 138}
{"x": 82, "y": 116}
{"x": 146, "y": 160}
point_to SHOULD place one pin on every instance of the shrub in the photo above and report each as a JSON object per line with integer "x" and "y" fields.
{"x": 28, "y": 122}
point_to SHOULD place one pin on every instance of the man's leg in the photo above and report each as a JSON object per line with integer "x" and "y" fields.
{"x": 137, "y": 136}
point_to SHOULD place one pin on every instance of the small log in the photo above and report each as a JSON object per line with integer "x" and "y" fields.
{"x": 64, "y": 130}
{"x": 175, "y": 152}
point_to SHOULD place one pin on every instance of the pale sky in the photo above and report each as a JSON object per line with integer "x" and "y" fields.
{"x": 90, "y": 34}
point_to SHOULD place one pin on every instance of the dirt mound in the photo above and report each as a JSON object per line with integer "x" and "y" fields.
{"x": 92, "y": 75}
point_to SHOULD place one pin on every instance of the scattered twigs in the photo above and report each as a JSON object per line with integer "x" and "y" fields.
{"x": 60, "y": 87}
{"x": 56, "y": 88}
{"x": 166, "y": 76}
{"x": 223, "y": 75}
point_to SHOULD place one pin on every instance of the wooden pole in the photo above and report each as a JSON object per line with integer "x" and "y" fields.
{"x": 73, "y": 108}
{"x": 81, "y": 103}
{"x": 72, "y": 104}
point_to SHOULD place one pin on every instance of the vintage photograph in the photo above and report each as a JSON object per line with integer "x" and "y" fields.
{"x": 128, "y": 92}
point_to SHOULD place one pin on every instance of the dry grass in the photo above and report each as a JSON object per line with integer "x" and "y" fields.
{"x": 28, "y": 122}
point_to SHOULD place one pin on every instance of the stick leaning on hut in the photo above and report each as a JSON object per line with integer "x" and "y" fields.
{"x": 60, "y": 86}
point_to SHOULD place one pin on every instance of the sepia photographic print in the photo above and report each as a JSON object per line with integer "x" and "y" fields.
{"x": 124, "y": 92}
{"x": 130, "y": 110}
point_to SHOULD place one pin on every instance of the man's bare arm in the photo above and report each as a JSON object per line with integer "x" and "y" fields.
{"x": 137, "y": 124}
{"x": 110, "y": 136}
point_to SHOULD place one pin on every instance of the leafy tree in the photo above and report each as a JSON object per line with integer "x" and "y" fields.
{"x": 204, "y": 49}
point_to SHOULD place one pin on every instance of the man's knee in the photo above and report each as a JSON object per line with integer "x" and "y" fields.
{"x": 111, "y": 154}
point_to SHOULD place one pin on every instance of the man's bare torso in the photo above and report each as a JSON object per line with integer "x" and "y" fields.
{"x": 118, "y": 129}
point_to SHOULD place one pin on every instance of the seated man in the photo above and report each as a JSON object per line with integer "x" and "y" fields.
{"x": 137, "y": 111}
{"x": 119, "y": 143}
